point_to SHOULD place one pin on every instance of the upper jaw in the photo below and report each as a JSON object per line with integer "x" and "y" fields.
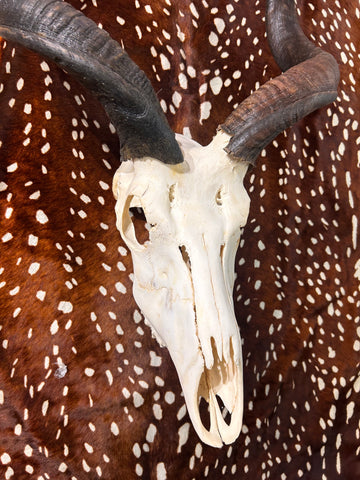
{"x": 205, "y": 348}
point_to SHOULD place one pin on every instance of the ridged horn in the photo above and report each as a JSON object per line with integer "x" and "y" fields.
{"x": 309, "y": 82}
{"x": 63, "y": 34}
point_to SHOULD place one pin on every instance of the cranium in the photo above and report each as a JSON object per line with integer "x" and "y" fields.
{"x": 184, "y": 273}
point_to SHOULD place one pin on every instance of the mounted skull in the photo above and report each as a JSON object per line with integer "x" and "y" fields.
{"x": 184, "y": 274}
{"x": 192, "y": 196}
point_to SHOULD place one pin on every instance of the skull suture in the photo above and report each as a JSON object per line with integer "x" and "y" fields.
{"x": 184, "y": 273}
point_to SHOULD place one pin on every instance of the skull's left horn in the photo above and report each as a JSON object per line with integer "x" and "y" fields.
{"x": 309, "y": 82}
{"x": 64, "y": 35}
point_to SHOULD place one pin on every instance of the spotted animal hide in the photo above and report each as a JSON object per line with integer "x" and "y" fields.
{"x": 85, "y": 391}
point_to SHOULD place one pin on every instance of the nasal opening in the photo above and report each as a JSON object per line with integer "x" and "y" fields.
{"x": 226, "y": 415}
{"x": 205, "y": 414}
{"x": 220, "y": 398}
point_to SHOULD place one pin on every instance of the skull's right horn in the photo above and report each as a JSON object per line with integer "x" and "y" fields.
{"x": 309, "y": 82}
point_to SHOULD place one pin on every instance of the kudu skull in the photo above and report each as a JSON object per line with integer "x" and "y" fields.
{"x": 193, "y": 197}
{"x": 184, "y": 274}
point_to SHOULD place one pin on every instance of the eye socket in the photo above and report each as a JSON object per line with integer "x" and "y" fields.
{"x": 137, "y": 213}
{"x": 135, "y": 227}
{"x": 141, "y": 225}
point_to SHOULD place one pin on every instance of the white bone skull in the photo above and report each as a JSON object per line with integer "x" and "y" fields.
{"x": 184, "y": 273}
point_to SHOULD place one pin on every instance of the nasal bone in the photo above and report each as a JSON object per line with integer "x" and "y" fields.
{"x": 218, "y": 376}
{"x": 215, "y": 319}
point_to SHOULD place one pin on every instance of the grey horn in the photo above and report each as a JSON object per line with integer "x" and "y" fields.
{"x": 64, "y": 35}
{"x": 309, "y": 82}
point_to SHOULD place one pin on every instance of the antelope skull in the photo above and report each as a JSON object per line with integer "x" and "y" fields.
{"x": 192, "y": 196}
{"x": 184, "y": 274}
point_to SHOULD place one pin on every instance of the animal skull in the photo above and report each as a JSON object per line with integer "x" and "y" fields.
{"x": 184, "y": 273}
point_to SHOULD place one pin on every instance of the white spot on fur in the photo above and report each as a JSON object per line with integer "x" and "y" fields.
{"x": 32, "y": 240}
{"x": 45, "y": 148}
{"x": 12, "y": 168}
{"x": 41, "y": 217}
{"x": 5, "y": 458}
{"x": 7, "y": 237}
{"x": 27, "y": 108}
{"x": 54, "y": 327}
{"x": 151, "y": 432}
{"x": 161, "y": 471}
{"x": 205, "y": 108}
{"x": 44, "y": 407}
{"x": 216, "y": 84}
{"x": 120, "y": 287}
{"x": 183, "y": 433}
{"x": 350, "y": 407}
{"x": 183, "y": 81}
{"x": 357, "y": 270}
{"x": 20, "y": 84}
{"x": 40, "y": 295}
{"x": 109, "y": 377}
{"x": 28, "y": 451}
{"x": 213, "y": 39}
{"x": 35, "y": 195}
{"x": 219, "y": 24}
{"x": 61, "y": 371}
{"x": 138, "y": 399}
{"x": 165, "y": 64}
{"x": 354, "y": 231}
{"x": 155, "y": 361}
{"x": 65, "y": 307}
{"x": 34, "y": 267}
{"x": 44, "y": 67}
{"x": 114, "y": 429}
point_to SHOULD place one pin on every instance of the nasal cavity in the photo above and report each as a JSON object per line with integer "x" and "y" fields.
{"x": 224, "y": 411}
{"x": 204, "y": 412}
